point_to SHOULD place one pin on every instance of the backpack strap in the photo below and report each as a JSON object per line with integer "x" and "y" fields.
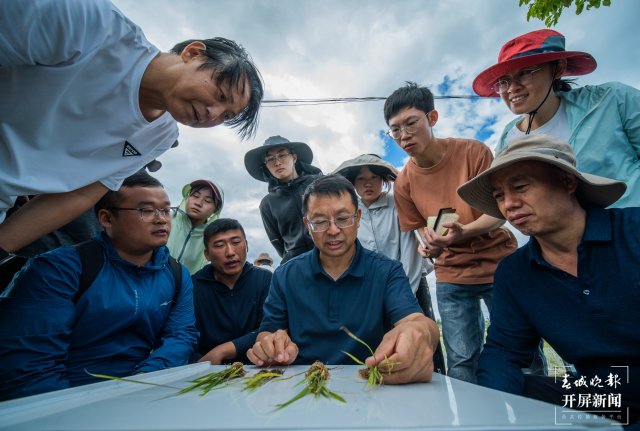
{"x": 91, "y": 261}
{"x": 176, "y": 269}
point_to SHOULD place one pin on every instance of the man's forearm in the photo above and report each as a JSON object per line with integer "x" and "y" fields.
{"x": 483, "y": 224}
{"x": 46, "y": 213}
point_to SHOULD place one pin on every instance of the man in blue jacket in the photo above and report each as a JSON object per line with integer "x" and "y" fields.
{"x": 575, "y": 283}
{"x": 133, "y": 318}
{"x": 228, "y": 294}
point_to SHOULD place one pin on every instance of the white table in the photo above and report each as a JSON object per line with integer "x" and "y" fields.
{"x": 442, "y": 404}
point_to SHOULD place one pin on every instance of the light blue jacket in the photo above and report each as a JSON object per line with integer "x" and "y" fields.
{"x": 125, "y": 323}
{"x": 380, "y": 231}
{"x": 605, "y": 134}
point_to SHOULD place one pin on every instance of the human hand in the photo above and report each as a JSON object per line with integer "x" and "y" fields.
{"x": 220, "y": 353}
{"x": 454, "y": 234}
{"x": 431, "y": 248}
{"x": 405, "y": 354}
{"x": 273, "y": 348}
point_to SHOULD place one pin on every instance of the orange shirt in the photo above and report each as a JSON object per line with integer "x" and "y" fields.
{"x": 421, "y": 192}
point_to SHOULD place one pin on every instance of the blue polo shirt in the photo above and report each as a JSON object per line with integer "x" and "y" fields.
{"x": 371, "y": 296}
{"x": 592, "y": 320}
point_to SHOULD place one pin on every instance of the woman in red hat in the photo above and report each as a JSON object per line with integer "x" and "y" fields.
{"x": 601, "y": 122}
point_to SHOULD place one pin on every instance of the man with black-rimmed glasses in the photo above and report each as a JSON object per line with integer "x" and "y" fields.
{"x": 341, "y": 284}
{"x": 467, "y": 253}
{"x": 116, "y": 305}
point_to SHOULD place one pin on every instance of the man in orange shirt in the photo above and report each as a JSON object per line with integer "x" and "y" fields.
{"x": 468, "y": 253}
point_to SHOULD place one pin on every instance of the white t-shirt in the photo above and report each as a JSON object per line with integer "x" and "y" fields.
{"x": 557, "y": 126}
{"x": 70, "y": 72}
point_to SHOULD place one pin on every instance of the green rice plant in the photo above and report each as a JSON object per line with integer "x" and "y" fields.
{"x": 215, "y": 380}
{"x": 126, "y": 379}
{"x": 373, "y": 375}
{"x": 251, "y": 383}
{"x": 315, "y": 381}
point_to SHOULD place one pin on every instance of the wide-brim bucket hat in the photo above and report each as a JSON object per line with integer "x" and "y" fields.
{"x": 254, "y": 159}
{"x": 592, "y": 191}
{"x": 350, "y": 168}
{"x": 265, "y": 257}
{"x": 530, "y": 49}
{"x": 216, "y": 191}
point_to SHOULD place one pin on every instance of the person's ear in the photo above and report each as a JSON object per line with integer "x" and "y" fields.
{"x": 358, "y": 217}
{"x": 105, "y": 218}
{"x": 206, "y": 254}
{"x": 570, "y": 182}
{"x": 432, "y": 117}
{"x": 192, "y": 51}
{"x": 306, "y": 224}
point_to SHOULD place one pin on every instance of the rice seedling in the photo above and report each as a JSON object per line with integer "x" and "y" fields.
{"x": 373, "y": 375}
{"x": 315, "y": 381}
{"x": 126, "y": 379}
{"x": 251, "y": 383}
{"x": 215, "y": 380}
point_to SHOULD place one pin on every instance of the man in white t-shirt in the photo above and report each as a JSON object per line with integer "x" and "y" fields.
{"x": 87, "y": 101}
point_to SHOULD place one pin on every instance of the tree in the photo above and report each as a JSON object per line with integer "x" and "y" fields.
{"x": 549, "y": 11}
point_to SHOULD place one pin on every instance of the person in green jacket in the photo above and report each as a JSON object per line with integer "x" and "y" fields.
{"x": 201, "y": 204}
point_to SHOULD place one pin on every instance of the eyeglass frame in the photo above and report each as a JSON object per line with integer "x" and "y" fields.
{"x": 313, "y": 225}
{"x": 518, "y": 80}
{"x": 156, "y": 212}
{"x": 404, "y": 129}
{"x": 280, "y": 157}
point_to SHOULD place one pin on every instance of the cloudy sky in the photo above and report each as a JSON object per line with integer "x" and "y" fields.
{"x": 357, "y": 48}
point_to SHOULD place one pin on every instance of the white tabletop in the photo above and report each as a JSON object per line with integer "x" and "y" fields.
{"x": 442, "y": 404}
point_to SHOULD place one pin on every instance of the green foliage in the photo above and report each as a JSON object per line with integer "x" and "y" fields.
{"x": 215, "y": 380}
{"x": 315, "y": 381}
{"x": 373, "y": 375}
{"x": 260, "y": 378}
{"x": 549, "y": 11}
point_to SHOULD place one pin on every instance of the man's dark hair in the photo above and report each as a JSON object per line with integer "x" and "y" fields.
{"x": 232, "y": 63}
{"x": 221, "y": 225}
{"x": 329, "y": 185}
{"x": 408, "y": 96}
{"x": 112, "y": 199}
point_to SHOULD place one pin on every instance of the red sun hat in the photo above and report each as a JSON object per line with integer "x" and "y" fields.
{"x": 530, "y": 49}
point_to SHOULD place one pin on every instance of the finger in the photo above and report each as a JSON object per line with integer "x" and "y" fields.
{"x": 281, "y": 340}
{"x": 292, "y": 352}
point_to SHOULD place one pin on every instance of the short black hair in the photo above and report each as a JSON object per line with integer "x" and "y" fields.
{"x": 408, "y": 96}
{"x": 329, "y": 185}
{"x": 112, "y": 198}
{"x": 221, "y": 225}
{"x": 232, "y": 63}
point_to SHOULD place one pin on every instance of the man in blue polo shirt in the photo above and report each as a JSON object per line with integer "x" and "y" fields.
{"x": 575, "y": 284}
{"x": 341, "y": 284}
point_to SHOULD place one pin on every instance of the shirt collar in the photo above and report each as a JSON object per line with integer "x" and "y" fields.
{"x": 356, "y": 269}
{"x": 597, "y": 228}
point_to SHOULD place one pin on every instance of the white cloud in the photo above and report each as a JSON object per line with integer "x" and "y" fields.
{"x": 351, "y": 48}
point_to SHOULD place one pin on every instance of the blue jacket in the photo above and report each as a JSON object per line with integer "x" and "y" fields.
{"x": 125, "y": 323}
{"x": 605, "y": 134}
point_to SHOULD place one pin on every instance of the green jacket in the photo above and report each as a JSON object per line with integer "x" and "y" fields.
{"x": 185, "y": 241}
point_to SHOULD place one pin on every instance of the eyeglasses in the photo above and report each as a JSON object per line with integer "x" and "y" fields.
{"x": 340, "y": 222}
{"x": 280, "y": 157}
{"x": 522, "y": 78}
{"x": 148, "y": 214}
{"x": 410, "y": 128}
